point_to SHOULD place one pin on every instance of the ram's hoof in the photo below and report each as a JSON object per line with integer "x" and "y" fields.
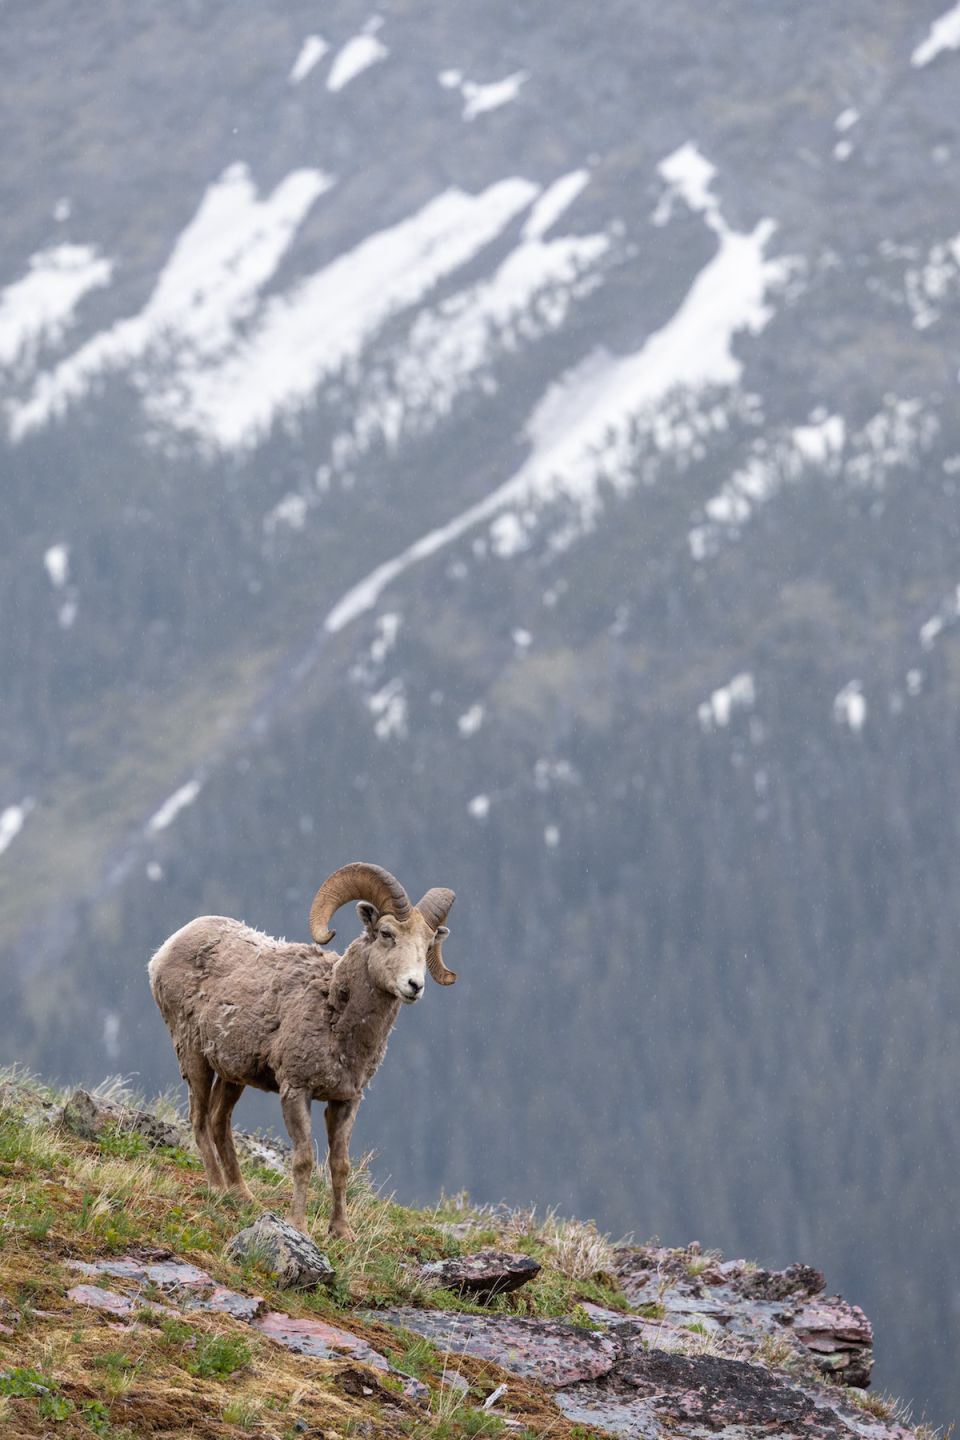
{"x": 340, "y": 1230}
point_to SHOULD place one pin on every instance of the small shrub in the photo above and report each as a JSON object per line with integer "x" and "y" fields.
{"x": 217, "y": 1356}
{"x": 24, "y": 1384}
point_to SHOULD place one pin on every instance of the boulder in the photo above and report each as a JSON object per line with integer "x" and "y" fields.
{"x": 290, "y": 1256}
{"x": 87, "y": 1116}
{"x": 481, "y": 1276}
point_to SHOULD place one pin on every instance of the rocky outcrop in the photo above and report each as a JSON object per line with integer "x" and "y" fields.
{"x": 481, "y": 1276}
{"x": 291, "y": 1257}
{"x": 724, "y": 1350}
{"x": 617, "y": 1378}
{"x": 737, "y": 1302}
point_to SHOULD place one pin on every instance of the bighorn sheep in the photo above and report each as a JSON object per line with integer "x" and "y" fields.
{"x": 245, "y": 1009}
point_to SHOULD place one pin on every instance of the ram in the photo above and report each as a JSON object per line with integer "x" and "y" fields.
{"x": 299, "y": 1020}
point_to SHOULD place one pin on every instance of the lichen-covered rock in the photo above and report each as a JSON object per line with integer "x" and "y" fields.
{"x": 160, "y": 1268}
{"x": 87, "y": 1116}
{"x": 550, "y": 1351}
{"x": 482, "y": 1275}
{"x": 291, "y": 1257}
{"x": 308, "y": 1335}
{"x": 839, "y": 1337}
{"x": 658, "y": 1395}
{"x": 745, "y": 1305}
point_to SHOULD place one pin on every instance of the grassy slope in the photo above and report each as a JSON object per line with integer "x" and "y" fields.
{"x": 69, "y": 1371}
{"x": 74, "y": 1372}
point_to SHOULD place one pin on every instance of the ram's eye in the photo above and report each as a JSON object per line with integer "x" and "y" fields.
{"x": 387, "y": 935}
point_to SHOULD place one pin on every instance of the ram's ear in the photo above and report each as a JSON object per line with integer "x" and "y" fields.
{"x": 369, "y": 915}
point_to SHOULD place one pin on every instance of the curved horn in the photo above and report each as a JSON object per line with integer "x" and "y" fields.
{"x": 435, "y": 907}
{"x": 358, "y": 881}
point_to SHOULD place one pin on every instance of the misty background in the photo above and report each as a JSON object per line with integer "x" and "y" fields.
{"x": 517, "y": 445}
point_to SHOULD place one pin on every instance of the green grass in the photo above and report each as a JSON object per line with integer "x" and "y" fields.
{"x": 73, "y": 1374}
{"x": 218, "y": 1355}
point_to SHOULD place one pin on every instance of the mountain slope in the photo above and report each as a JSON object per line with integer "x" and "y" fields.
{"x": 522, "y": 451}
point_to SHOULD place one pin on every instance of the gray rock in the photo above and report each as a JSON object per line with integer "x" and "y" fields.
{"x": 292, "y": 1257}
{"x": 554, "y": 1353}
{"x": 483, "y": 1275}
{"x": 87, "y": 1116}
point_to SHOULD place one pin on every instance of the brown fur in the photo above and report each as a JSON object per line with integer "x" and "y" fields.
{"x": 245, "y": 1009}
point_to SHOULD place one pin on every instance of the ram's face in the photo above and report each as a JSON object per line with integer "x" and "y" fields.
{"x": 397, "y": 959}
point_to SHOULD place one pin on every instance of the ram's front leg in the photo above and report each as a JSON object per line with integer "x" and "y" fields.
{"x": 340, "y": 1117}
{"x": 296, "y": 1116}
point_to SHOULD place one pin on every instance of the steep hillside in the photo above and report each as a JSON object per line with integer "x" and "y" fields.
{"x": 522, "y": 450}
{"x": 125, "y": 1311}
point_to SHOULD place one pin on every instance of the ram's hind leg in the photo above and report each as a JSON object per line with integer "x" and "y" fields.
{"x": 340, "y": 1116}
{"x": 226, "y": 1093}
{"x": 198, "y": 1074}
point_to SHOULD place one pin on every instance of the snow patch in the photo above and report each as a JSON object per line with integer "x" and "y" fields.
{"x": 311, "y": 53}
{"x": 932, "y": 285}
{"x": 554, "y": 202}
{"x": 689, "y": 176}
{"x": 451, "y": 348}
{"x": 39, "y": 309}
{"x": 471, "y": 720}
{"x": 322, "y": 325}
{"x": 479, "y": 807}
{"x": 207, "y": 289}
{"x": 11, "y": 822}
{"x": 946, "y": 619}
{"x": 56, "y": 562}
{"x": 551, "y": 836}
{"x": 172, "y": 806}
{"x": 846, "y": 120}
{"x": 389, "y": 706}
{"x": 583, "y": 431}
{"x": 717, "y": 712}
{"x": 850, "y": 707}
{"x": 944, "y": 34}
{"x": 291, "y": 511}
{"x": 388, "y": 628}
{"x": 478, "y": 99}
{"x": 67, "y": 613}
{"x": 357, "y": 55}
